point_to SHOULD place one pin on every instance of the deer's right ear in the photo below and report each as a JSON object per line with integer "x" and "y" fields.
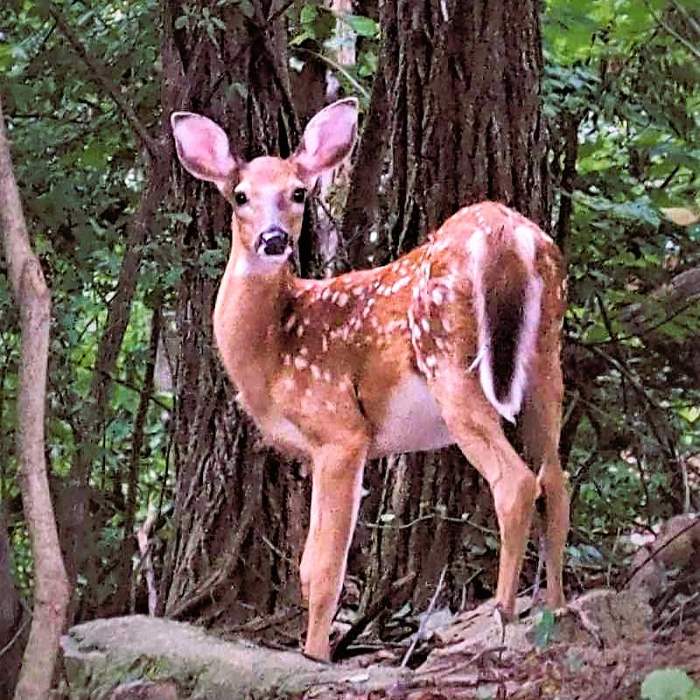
{"x": 203, "y": 148}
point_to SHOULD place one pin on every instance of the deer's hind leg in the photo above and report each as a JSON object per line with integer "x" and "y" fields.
{"x": 475, "y": 426}
{"x": 540, "y": 427}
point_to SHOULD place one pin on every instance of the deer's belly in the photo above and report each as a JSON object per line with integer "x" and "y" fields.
{"x": 411, "y": 421}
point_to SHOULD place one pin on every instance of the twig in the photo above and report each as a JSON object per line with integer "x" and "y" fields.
{"x": 100, "y": 74}
{"x": 421, "y": 628}
{"x": 656, "y": 551}
{"x": 679, "y": 609}
{"x": 16, "y": 635}
{"x": 453, "y": 668}
{"x": 146, "y": 560}
{"x": 373, "y": 610}
{"x": 668, "y": 28}
{"x": 335, "y": 66}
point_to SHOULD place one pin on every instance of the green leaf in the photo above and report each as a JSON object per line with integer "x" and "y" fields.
{"x": 362, "y": 26}
{"x": 308, "y": 14}
{"x": 668, "y": 684}
{"x": 544, "y": 629}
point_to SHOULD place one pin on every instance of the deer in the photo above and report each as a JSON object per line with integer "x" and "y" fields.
{"x": 436, "y": 348}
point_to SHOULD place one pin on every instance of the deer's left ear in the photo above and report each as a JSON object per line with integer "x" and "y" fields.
{"x": 328, "y": 139}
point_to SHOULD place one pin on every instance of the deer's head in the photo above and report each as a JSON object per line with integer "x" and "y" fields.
{"x": 267, "y": 193}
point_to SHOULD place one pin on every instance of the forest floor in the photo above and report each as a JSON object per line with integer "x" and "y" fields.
{"x": 583, "y": 661}
{"x": 601, "y": 647}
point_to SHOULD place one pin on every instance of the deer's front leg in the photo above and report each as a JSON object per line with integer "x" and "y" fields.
{"x": 335, "y": 500}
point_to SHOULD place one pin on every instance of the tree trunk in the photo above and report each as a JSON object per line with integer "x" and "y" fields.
{"x": 240, "y": 513}
{"x": 51, "y": 592}
{"x": 454, "y": 119}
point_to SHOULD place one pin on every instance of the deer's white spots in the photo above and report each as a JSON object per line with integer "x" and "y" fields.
{"x": 308, "y": 393}
{"x": 400, "y": 284}
{"x": 324, "y": 343}
{"x": 437, "y": 297}
{"x": 287, "y": 360}
{"x": 416, "y": 292}
{"x": 327, "y": 376}
{"x": 358, "y": 291}
{"x": 525, "y": 238}
{"x": 431, "y": 361}
{"x": 290, "y": 323}
{"x": 366, "y": 311}
{"x": 334, "y": 296}
{"x": 425, "y": 324}
{"x": 330, "y": 406}
{"x": 326, "y": 293}
{"x": 304, "y": 350}
{"x": 300, "y": 331}
{"x": 306, "y": 321}
{"x": 342, "y": 299}
{"x": 300, "y": 362}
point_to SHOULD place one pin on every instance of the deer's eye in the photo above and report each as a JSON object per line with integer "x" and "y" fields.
{"x": 299, "y": 195}
{"x": 241, "y": 198}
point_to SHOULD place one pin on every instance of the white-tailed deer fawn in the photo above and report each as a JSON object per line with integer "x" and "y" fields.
{"x": 430, "y": 350}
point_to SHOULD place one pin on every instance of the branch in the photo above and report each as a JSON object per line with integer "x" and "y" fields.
{"x": 51, "y": 592}
{"x": 668, "y": 28}
{"x": 100, "y": 74}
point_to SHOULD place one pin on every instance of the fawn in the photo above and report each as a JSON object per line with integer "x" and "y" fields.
{"x": 432, "y": 349}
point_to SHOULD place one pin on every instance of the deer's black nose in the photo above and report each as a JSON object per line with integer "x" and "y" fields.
{"x": 274, "y": 241}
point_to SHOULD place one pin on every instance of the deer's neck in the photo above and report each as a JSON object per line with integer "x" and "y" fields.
{"x": 247, "y": 315}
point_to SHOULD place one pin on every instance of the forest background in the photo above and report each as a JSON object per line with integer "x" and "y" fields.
{"x": 584, "y": 115}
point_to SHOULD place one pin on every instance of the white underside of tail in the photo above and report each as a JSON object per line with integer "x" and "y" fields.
{"x": 478, "y": 244}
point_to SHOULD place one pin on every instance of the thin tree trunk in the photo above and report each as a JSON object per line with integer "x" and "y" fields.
{"x": 78, "y": 531}
{"x": 51, "y": 591}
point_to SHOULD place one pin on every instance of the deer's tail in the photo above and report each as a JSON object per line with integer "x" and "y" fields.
{"x": 507, "y": 299}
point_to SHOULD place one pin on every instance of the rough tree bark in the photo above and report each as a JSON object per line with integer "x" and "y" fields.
{"x": 240, "y": 513}
{"x": 454, "y": 119}
{"x": 51, "y": 592}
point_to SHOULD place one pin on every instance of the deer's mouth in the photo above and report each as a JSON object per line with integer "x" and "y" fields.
{"x": 274, "y": 243}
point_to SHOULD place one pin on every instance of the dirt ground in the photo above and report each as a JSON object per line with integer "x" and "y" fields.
{"x": 603, "y": 651}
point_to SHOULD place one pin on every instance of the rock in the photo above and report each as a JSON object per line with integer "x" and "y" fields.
{"x": 602, "y": 616}
{"x": 147, "y": 658}
{"x": 676, "y": 550}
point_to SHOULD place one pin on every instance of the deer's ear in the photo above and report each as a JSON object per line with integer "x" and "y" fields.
{"x": 203, "y": 148}
{"x": 328, "y": 138}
